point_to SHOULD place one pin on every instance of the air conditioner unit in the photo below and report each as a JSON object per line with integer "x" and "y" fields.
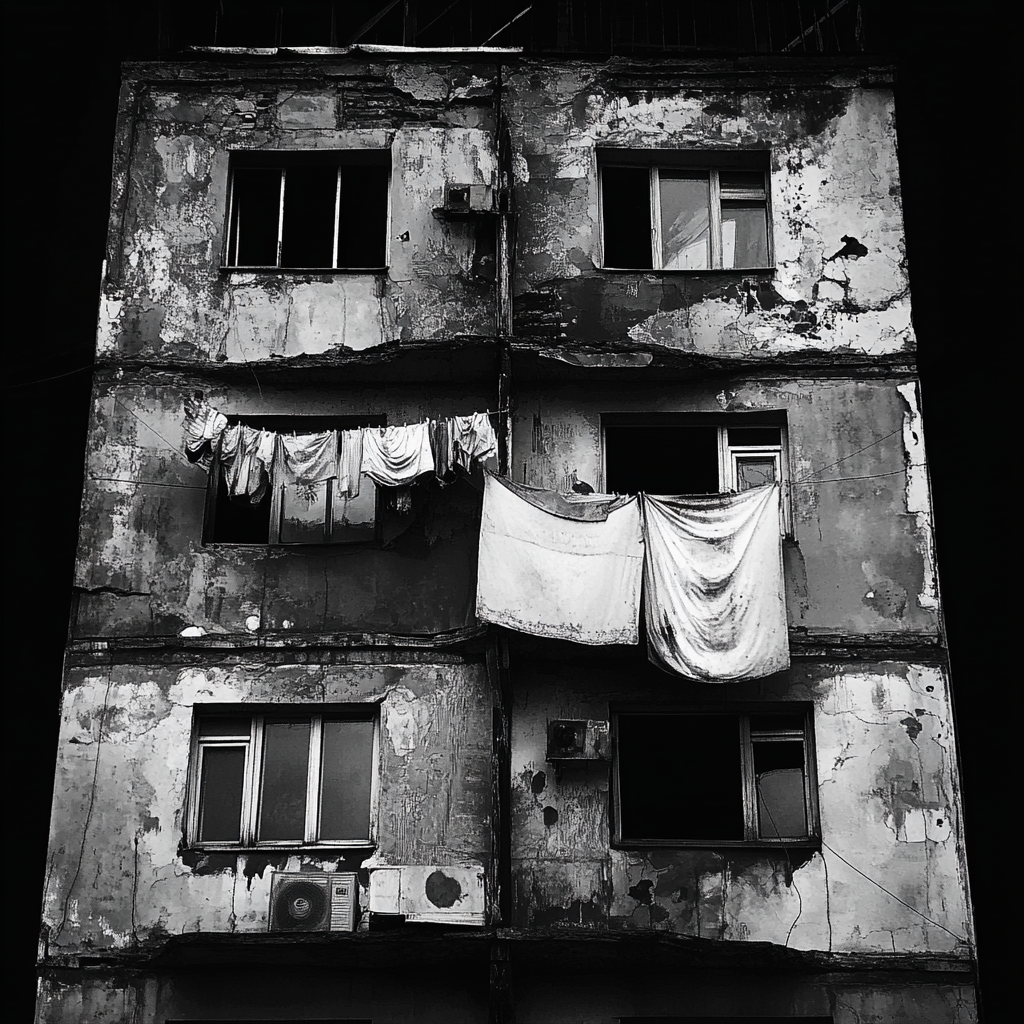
{"x": 313, "y": 901}
{"x": 571, "y": 739}
{"x": 460, "y": 198}
{"x": 441, "y": 895}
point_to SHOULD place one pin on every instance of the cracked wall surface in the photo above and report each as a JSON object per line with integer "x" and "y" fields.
{"x": 834, "y": 176}
{"x": 119, "y": 873}
{"x": 142, "y": 567}
{"x": 163, "y": 296}
{"x": 860, "y": 558}
{"x": 889, "y": 804}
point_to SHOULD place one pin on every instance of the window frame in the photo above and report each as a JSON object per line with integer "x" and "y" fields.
{"x": 252, "y": 775}
{"x": 728, "y": 454}
{"x": 656, "y": 161}
{"x": 279, "y": 159}
{"x": 297, "y": 425}
{"x": 744, "y": 712}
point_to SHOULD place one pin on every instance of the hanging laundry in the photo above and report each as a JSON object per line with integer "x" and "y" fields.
{"x": 307, "y": 458}
{"x": 394, "y": 456}
{"x": 350, "y": 462}
{"x": 473, "y": 438}
{"x": 713, "y": 585}
{"x": 442, "y": 446}
{"x": 203, "y": 425}
{"x": 557, "y": 575}
{"x": 246, "y": 455}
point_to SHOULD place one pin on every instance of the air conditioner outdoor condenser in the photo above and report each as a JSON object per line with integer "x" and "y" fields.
{"x": 313, "y": 901}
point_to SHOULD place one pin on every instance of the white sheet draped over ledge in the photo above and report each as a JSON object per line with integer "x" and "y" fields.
{"x": 571, "y": 568}
{"x": 715, "y": 598}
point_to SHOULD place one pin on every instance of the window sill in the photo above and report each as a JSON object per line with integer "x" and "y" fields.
{"x": 811, "y": 843}
{"x": 689, "y": 273}
{"x": 303, "y": 270}
{"x": 269, "y": 848}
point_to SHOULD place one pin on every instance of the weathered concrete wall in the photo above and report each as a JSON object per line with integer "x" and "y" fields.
{"x": 164, "y": 297}
{"x": 833, "y": 173}
{"x": 889, "y": 804}
{"x": 861, "y": 556}
{"x": 118, "y": 872}
{"x": 143, "y": 569}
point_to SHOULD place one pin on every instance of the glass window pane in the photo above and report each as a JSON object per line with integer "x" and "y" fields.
{"x": 779, "y": 774}
{"x": 283, "y": 793}
{"x": 307, "y": 235}
{"x": 346, "y": 771}
{"x": 776, "y": 723}
{"x": 355, "y": 518}
{"x": 745, "y": 180}
{"x": 256, "y": 203}
{"x": 685, "y": 224}
{"x": 680, "y": 777}
{"x": 626, "y": 194}
{"x": 754, "y": 471}
{"x": 224, "y": 725}
{"x": 220, "y": 794}
{"x": 303, "y": 513}
{"x": 744, "y": 236}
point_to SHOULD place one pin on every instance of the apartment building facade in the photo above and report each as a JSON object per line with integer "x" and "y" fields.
{"x": 582, "y": 277}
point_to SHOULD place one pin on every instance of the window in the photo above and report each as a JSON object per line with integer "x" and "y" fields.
{"x": 674, "y": 211}
{"x": 293, "y": 513}
{"x": 735, "y": 778}
{"x": 314, "y": 211}
{"x": 282, "y": 778}
{"x": 691, "y": 453}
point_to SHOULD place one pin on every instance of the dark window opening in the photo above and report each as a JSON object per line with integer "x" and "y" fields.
{"x": 627, "y": 217}
{"x": 663, "y": 459}
{"x": 709, "y": 778}
{"x": 314, "y": 211}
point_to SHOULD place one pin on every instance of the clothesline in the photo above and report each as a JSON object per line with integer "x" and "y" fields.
{"x": 393, "y": 456}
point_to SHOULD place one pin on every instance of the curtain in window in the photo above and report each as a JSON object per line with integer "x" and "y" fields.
{"x": 714, "y": 593}
{"x": 556, "y": 573}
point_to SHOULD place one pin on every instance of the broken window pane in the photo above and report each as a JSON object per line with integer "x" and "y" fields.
{"x": 255, "y": 209}
{"x": 307, "y": 234}
{"x": 779, "y": 778}
{"x": 363, "y": 217}
{"x": 220, "y": 793}
{"x": 285, "y": 767}
{"x": 744, "y": 236}
{"x": 685, "y": 221}
{"x": 346, "y": 770}
{"x": 661, "y": 459}
{"x": 627, "y": 217}
{"x": 680, "y": 777}
{"x": 754, "y": 436}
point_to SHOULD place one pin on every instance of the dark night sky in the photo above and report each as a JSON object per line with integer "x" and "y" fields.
{"x": 957, "y": 103}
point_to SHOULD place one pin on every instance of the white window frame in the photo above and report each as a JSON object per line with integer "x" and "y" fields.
{"x": 716, "y": 194}
{"x": 745, "y": 753}
{"x": 253, "y": 773}
{"x": 231, "y": 258}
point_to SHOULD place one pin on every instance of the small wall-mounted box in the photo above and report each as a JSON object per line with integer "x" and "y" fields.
{"x": 571, "y": 739}
{"x": 460, "y": 199}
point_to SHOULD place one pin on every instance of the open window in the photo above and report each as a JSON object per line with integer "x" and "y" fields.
{"x": 308, "y": 211}
{"x": 675, "y": 210}
{"x": 293, "y": 513}
{"x": 283, "y": 777}
{"x": 733, "y": 778}
{"x": 694, "y": 453}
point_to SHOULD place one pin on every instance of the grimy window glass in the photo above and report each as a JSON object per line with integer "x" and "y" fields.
{"x": 285, "y": 769}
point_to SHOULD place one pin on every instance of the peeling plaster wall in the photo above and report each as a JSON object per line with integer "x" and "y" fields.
{"x": 861, "y": 556}
{"x": 163, "y": 295}
{"x": 142, "y": 567}
{"x": 889, "y": 803}
{"x": 833, "y": 173}
{"x": 118, "y": 872}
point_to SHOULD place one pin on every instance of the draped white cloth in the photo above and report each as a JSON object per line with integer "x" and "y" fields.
{"x": 714, "y": 594}
{"x": 395, "y": 456}
{"x": 550, "y": 575}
